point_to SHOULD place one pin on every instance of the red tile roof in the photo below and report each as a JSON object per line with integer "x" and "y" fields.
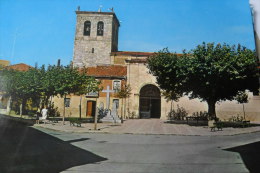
{"x": 136, "y": 60}
{"x": 143, "y": 59}
{"x": 19, "y": 67}
{"x": 136, "y": 54}
{"x": 107, "y": 71}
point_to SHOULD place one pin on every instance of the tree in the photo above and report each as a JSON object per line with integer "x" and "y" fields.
{"x": 66, "y": 82}
{"x": 42, "y": 83}
{"x": 49, "y": 82}
{"x": 242, "y": 97}
{"x": 171, "y": 96}
{"x": 20, "y": 86}
{"x": 124, "y": 93}
{"x": 209, "y": 72}
{"x": 86, "y": 85}
{"x": 9, "y": 84}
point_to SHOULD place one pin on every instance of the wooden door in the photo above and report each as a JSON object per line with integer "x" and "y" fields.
{"x": 91, "y": 108}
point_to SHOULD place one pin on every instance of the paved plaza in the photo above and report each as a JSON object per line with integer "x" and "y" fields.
{"x": 56, "y": 148}
{"x": 147, "y": 126}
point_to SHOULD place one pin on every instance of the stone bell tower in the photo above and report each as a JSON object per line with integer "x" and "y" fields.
{"x": 95, "y": 38}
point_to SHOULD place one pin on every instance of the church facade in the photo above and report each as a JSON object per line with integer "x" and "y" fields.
{"x": 96, "y": 48}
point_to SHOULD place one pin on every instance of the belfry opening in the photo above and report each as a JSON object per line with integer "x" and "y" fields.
{"x": 150, "y": 102}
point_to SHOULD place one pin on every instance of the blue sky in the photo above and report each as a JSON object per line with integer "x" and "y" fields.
{"x": 43, "y": 31}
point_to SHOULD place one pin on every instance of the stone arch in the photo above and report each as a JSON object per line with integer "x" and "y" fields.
{"x": 150, "y": 101}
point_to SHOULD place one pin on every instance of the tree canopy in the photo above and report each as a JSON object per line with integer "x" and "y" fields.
{"x": 43, "y": 83}
{"x": 209, "y": 72}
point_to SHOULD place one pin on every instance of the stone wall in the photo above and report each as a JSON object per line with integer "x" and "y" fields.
{"x": 95, "y": 50}
{"x": 73, "y": 109}
{"x": 138, "y": 76}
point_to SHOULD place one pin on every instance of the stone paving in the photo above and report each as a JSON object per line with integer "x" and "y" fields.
{"x": 146, "y": 126}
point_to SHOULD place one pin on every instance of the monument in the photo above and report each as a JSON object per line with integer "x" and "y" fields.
{"x": 108, "y": 91}
{"x": 111, "y": 116}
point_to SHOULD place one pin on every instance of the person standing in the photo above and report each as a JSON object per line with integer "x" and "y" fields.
{"x": 38, "y": 114}
{"x": 44, "y": 114}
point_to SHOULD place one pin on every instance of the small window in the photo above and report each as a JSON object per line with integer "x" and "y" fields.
{"x": 67, "y": 102}
{"x": 116, "y": 85}
{"x": 100, "y": 28}
{"x": 93, "y": 50}
{"x": 87, "y": 28}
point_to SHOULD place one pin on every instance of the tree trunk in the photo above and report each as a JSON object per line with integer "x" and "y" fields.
{"x": 63, "y": 118}
{"x": 125, "y": 109}
{"x": 244, "y": 112}
{"x": 171, "y": 105}
{"x": 46, "y": 101}
{"x": 80, "y": 106}
{"x": 22, "y": 107}
{"x": 212, "y": 108}
{"x": 96, "y": 117}
{"x": 21, "y": 110}
{"x": 50, "y": 102}
{"x": 122, "y": 115}
{"x": 9, "y": 105}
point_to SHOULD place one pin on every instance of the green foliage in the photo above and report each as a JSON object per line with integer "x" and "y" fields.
{"x": 170, "y": 96}
{"x": 241, "y": 97}
{"x": 179, "y": 114}
{"x": 124, "y": 92}
{"x": 202, "y": 115}
{"x": 42, "y": 83}
{"x": 169, "y": 70}
{"x": 53, "y": 111}
{"x": 21, "y": 86}
{"x": 1, "y": 67}
{"x": 131, "y": 115}
{"x": 236, "y": 119}
{"x": 102, "y": 112}
{"x": 209, "y": 72}
{"x": 87, "y": 84}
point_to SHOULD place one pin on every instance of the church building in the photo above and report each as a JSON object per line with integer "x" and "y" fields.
{"x": 96, "y": 48}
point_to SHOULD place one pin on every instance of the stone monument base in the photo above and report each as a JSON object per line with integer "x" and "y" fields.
{"x": 111, "y": 118}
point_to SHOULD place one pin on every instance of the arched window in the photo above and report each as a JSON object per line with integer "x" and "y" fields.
{"x": 87, "y": 27}
{"x": 100, "y": 28}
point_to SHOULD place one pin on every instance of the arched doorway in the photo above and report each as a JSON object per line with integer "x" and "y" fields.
{"x": 150, "y": 102}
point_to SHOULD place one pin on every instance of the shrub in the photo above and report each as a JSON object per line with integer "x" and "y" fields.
{"x": 131, "y": 115}
{"x": 53, "y": 111}
{"x": 236, "y": 119}
{"x": 31, "y": 113}
{"x": 179, "y": 114}
{"x": 201, "y": 115}
{"x": 102, "y": 113}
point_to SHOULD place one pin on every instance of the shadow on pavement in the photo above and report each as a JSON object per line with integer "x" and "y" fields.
{"x": 24, "y": 149}
{"x": 250, "y": 154}
{"x": 77, "y": 140}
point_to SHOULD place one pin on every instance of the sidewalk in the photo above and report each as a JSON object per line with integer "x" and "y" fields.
{"x": 146, "y": 126}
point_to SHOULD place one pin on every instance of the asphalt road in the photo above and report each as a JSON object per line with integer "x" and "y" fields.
{"x": 26, "y": 149}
